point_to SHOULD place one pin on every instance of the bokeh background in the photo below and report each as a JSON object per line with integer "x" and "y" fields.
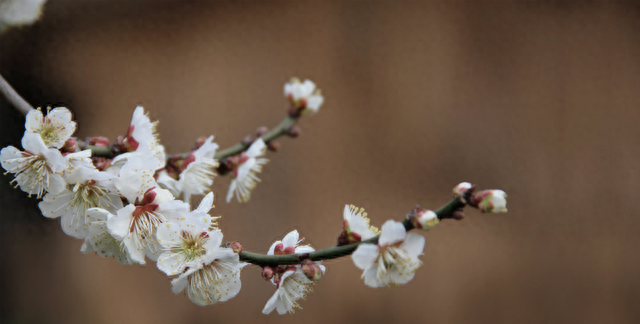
{"x": 540, "y": 99}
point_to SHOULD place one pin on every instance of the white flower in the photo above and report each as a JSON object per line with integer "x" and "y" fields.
{"x": 292, "y": 284}
{"x": 303, "y": 95}
{"x": 197, "y": 177}
{"x": 215, "y": 279}
{"x": 149, "y": 206}
{"x": 101, "y": 241}
{"x": 142, "y": 138}
{"x": 86, "y": 188}
{"x": 20, "y": 12}
{"x": 187, "y": 242}
{"x": 492, "y": 201}
{"x": 393, "y": 260}
{"x": 244, "y": 176}
{"x": 55, "y": 129}
{"x": 356, "y": 224}
{"x": 37, "y": 169}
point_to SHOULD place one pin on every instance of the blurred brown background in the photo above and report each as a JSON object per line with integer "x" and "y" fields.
{"x": 538, "y": 99}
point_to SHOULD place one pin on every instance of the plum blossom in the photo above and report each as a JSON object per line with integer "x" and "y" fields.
{"x": 213, "y": 275}
{"x": 55, "y": 128}
{"x": 197, "y": 175}
{"x": 186, "y": 242}
{"x": 393, "y": 260}
{"x": 356, "y": 224}
{"x": 303, "y": 95}
{"x": 244, "y": 174}
{"x": 149, "y": 206}
{"x": 292, "y": 283}
{"x": 86, "y": 188}
{"x": 38, "y": 169}
{"x": 141, "y": 139}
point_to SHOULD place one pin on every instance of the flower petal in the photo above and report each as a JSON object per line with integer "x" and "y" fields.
{"x": 413, "y": 245}
{"x": 365, "y": 256}
{"x": 291, "y": 239}
{"x": 392, "y": 232}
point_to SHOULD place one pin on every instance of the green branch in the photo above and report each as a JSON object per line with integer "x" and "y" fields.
{"x": 335, "y": 252}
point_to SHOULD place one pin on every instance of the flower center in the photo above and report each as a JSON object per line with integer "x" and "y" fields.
{"x": 49, "y": 132}
{"x": 192, "y": 246}
{"x": 31, "y": 173}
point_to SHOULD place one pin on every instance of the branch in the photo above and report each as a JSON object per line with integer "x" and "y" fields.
{"x": 13, "y": 97}
{"x": 335, "y": 252}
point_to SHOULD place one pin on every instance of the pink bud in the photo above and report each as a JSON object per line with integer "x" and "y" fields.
{"x": 267, "y": 273}
{"x": 491, "y": 201}
{"x": 236, "y": 247}
{"x": 289, "y": 250}
{"x": 424, "y": 219}
{"x": 70, "y": 145}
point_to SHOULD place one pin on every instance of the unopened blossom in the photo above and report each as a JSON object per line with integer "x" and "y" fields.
{"x": 141, "y": 138}
{"x": 356, "y": 224}
{"x": 19, "y": 12}
{"x": 393, "y": 260}
{"x": 101, "y": 241}
{"x": 186, "y": 242}
{"x": 303, "y": 95}
{"x": 211, "y": 277}
{"x": 38, "y": 169}
{"x": 244, "y": 177}
{"x": 491, "y": 201}
{"x": 424, "y": 219}
{"x": 149, "y": 206}
{"x": 55, "y": 128}
{"x": 197, "y": 173}
{"x": 86, "y": 188}
{"x": 461, "y": 188}
{"x": 292, "y": 284}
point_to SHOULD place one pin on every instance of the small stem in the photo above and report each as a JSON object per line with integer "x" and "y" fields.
{"x": 335, "y": 252}
{"x": 13, "y": 97}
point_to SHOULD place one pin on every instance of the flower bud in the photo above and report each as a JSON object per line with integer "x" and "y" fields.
{"x": 424, "y": 219}
{"x": 461, "y": 188}
{"x": 261, "y": 131}
{"x": 99, "y": 141}
{"x": 267, "y": 273}
{"x": 311, "y": 270}
{"x": 491, "y": 201}
{"x": 293, "y": 131}
{"x": 71, "y": 145}
{"x": 236, "y": 247}
{"x": 274, "y": 146}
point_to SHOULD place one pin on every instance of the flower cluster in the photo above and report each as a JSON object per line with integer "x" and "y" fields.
{"x": 125, "y": 204}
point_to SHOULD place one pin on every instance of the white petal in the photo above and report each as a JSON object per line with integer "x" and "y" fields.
{"x": 118, "y": 224}
{"x": 232, "y": 188}
{"x": 56, "y": 184}
{"x": 52, "y": 206}
{"x": 33, "y": 143}
{"x": 365, "y": 255}
{"x": 371, "y": 279}
{"x": 291, "y": 239}
{"x": 392, "y": 232}
{"x": 33, "y": 120}
{"x": 168, "y": 234}
{"x": 257, "y": 148}
{"x": 304, "y": 249}
{"x": 271, "y": 303}
{"x": 7, "y": 154}
{"x": 206, "y": 204}
{"x": 413, "y": 245}
{"x": 171, "y": 263}
{"x": 400, "y": 278}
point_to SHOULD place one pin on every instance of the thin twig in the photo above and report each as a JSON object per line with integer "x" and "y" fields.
{"x": 13, "y": 97}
